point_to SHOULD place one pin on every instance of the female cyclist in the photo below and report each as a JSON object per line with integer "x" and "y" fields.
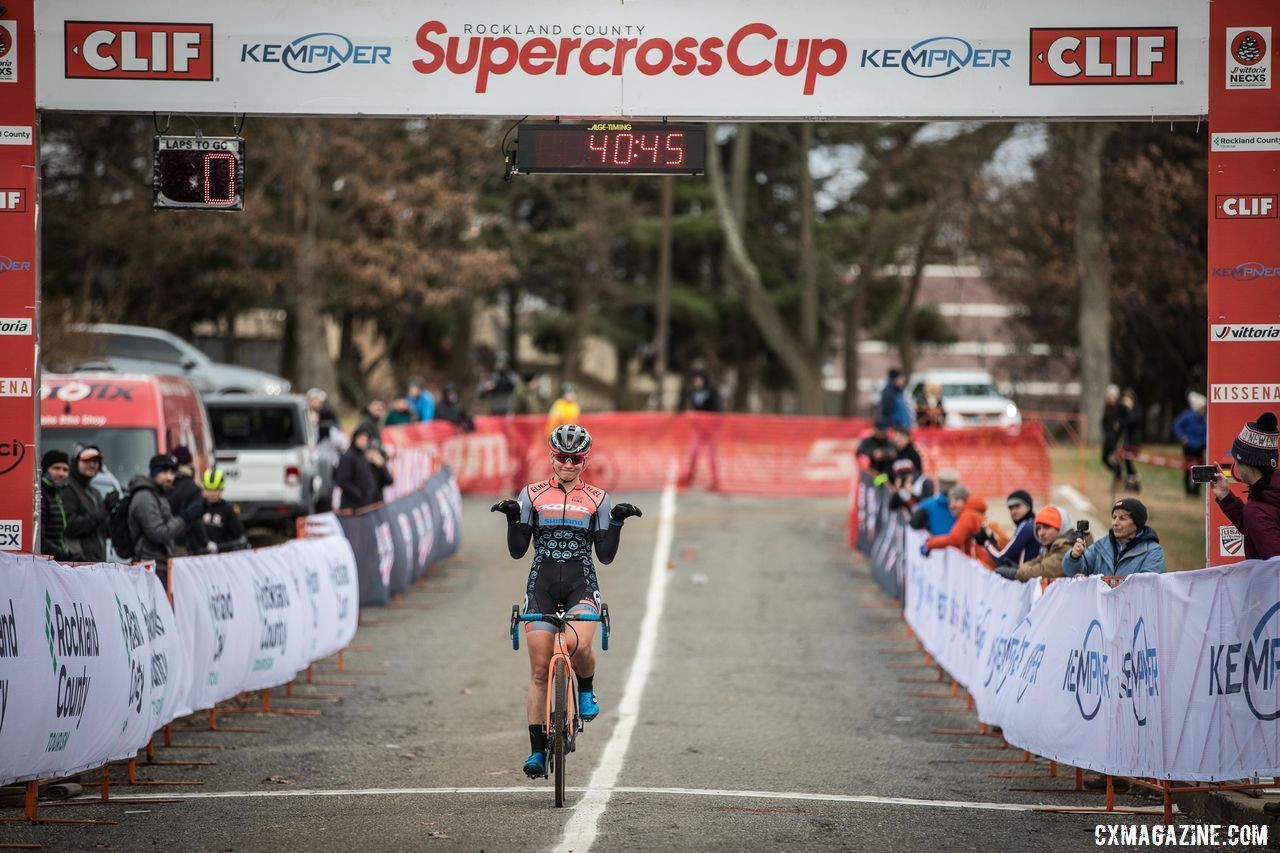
{"x": 564, "y": 517}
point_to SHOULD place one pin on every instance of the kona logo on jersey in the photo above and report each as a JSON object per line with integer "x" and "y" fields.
{"x": 1249, "y": 57}
{"x": 138, "y": 51}
{"x": 1104, "y": 56}
{"x": 1245, "y": 207}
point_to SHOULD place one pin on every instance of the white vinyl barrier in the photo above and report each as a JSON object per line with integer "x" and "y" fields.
{"x": 91, "y": 664}
{"x": 253, "y": 619}
{"x": 93, "y": 660}
{"x": 1172, "y": 676}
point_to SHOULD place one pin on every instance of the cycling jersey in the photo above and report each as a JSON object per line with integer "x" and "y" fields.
{"x": 563, "y": 527}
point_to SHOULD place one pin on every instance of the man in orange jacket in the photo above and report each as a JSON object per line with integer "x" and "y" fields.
{"x": 971, "y": 516}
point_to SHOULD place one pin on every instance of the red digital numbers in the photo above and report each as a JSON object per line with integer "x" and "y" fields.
{"x": 637, "y": 149}
{"x": 227, "y": 184}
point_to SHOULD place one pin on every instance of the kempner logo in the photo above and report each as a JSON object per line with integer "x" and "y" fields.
{"x": 1245, "y": 207}
{"x": 1245, "y": 393}
{"x": 1229, "y": 332}
{"x": 138, "y": 51}
{"x": 1088, "y": 672}
{"x": 1230, "y": 541}
{"x": 750, "y": 51}
{"x": 1249, "y": 57}
{"x": 1247, "y": 271}
{"x": 8, "y": 51}
{"x": 939, "y": 56}
{"x": 1104, "y": 56}
{"x": 1140, "y": 673}
{"x": 1251, "y": 668}
{"x": 316, "y": 53}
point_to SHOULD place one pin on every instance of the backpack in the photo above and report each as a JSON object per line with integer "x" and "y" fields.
{"x": 118, "y": 527}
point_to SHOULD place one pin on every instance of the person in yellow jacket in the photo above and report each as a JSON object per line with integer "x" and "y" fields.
{"x": 564, "y": 410}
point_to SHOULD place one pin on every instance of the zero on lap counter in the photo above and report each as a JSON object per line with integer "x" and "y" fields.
{"x": 198, "y": 173}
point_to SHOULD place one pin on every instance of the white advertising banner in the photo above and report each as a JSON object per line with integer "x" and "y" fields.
{"x": 1172, "y": 676}
{"x": 253, "y": 619}
{"x": 658, "y": 58}
{"x": 91, "y": 664}
{"x": 965, "y": 616}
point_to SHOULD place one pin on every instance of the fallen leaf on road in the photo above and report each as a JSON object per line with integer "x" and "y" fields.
{"x": 466, "y": 691}
{"x": 279, "y": 780}
{"x": 438, "y": 834}
{"x": 407, "y": 755}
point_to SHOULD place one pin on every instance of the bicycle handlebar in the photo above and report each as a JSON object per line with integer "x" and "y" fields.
{"x": 559, "y": 620}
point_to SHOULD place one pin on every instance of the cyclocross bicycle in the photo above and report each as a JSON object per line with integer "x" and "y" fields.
{"x": 562, "y": 724}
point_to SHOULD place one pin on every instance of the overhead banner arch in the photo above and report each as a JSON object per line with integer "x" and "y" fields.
{"x": 862, "y": 60}
{"x": 858, "y": 60}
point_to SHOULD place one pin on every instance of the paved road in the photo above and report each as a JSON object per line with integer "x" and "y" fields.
{"x": 772, "y": 717}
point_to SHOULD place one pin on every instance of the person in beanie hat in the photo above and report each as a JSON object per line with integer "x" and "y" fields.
{"x": 55, "y": 468}
{"x": 184, "y": 492}
{"x": 935, "y": 513}
{"x": 154, "y": 527}
{"x": 1024, "y": 545}
{"x": 1258, "y": 518}
{"x": 1129, "y": 548}
{"x": 1056, "y": 536}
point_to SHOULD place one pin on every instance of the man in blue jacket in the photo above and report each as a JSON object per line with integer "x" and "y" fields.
{"x": 894, "y": 410}
{"x": 934, "y": 514}
{"x": 1190, "y": 429}
{"x": 1130, "y": 548}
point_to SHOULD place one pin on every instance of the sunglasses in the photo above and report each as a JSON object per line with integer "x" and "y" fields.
{"x": 569, "y": 458}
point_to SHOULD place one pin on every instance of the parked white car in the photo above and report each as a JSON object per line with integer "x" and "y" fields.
{"x": 268, "y": 448}
{"x": 969, "y": 397}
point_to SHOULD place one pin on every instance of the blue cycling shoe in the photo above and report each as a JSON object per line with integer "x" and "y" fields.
{"x": 588, "y": 707}
{"x": 535, "y": 766}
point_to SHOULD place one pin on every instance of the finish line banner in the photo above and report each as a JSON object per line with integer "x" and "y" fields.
{"x": 1172, "y": 676}
{"x": 660, "y": 58}
{"x": 92, "y": 662}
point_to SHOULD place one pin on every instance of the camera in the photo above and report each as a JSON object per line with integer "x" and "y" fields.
{"x": 1204, "y": 473}
{"x": 1082, "y": 526}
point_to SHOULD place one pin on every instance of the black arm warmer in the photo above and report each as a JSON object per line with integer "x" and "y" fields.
{"x": 518, "y": 538}
{"x": 607, "y": 542}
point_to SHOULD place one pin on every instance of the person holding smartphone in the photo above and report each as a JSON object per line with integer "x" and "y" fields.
{"x": 1258, "y": 518}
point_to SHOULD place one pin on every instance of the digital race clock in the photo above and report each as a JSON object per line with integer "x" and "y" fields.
{"x": 198, "y": 173}
{"x": 609, "y": 148}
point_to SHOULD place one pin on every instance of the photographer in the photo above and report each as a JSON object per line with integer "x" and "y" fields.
{"x": 1054, "y": 533}
{"x": 1130, "y": 548}
{"x": 1258, "y": 519}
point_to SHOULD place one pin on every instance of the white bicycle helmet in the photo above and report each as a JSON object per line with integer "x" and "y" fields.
{"x": 570, "y": 438}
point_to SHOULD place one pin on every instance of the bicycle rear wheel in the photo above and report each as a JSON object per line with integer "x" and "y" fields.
{"x": 559, "y": 726}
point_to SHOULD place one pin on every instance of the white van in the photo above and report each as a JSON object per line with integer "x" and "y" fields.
{"x": 266, "y": 446}
{"x": 969, "y": 397}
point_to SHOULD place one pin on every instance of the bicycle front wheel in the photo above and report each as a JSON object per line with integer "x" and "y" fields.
{"x": 559, "y": 725}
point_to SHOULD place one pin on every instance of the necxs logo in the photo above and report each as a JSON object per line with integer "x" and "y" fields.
{"x": 1251, "y": 667}
{"x": 138, "y": 51}
{"x": 1097, "y": 56}
{"x": 1245, "y": 207}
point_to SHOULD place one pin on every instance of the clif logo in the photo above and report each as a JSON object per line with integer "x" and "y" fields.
{"x": 1245, "y": 207}
{"x": 13, "y": 200}
{"x": 138, "y": 51}
{"x": 1104, "y": 56}
{"x": 1249, "y": 57}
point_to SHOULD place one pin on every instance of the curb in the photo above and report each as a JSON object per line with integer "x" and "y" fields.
{"x": 1230, "y": 807}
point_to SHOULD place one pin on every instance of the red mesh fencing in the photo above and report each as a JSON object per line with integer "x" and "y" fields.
{"x": 733, "y": 453}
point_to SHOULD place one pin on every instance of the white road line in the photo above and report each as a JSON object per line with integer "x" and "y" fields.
{"x": 581, "y": 829}
{"x": 710, "y": 793}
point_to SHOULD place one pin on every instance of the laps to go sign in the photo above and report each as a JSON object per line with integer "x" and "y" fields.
{"x": 617, "y": 148}
{"x": 198, "y": 173}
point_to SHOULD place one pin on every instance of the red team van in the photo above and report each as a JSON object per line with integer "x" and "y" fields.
{"x": 129, "y": 417}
